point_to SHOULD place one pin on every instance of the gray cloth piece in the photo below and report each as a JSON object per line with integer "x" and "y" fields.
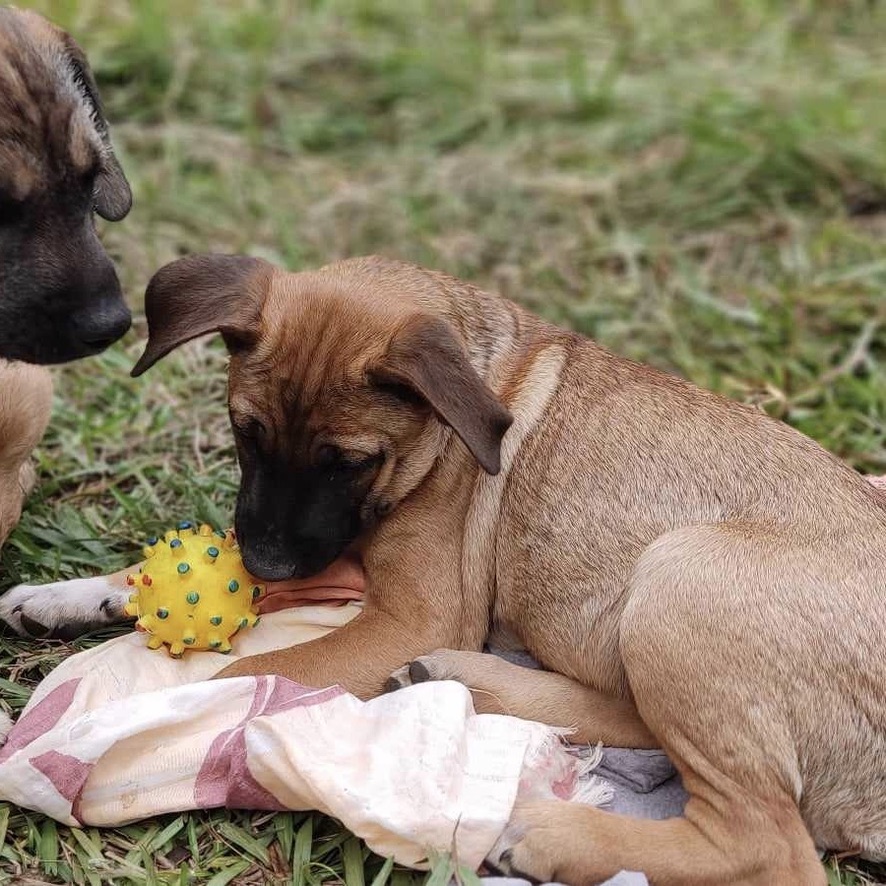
{"x": 639, "y": 769}
{"x": 644, "y": 782}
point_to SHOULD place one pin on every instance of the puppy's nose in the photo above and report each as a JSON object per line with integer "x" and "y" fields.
{"x": 102, "y": 326}
{"x": 265, "y": 567}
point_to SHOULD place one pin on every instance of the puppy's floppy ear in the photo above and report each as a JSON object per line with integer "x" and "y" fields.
{"x": 427, "y": 358}
{"x": 200, "y": 294}
{"x": 112, "y": 196}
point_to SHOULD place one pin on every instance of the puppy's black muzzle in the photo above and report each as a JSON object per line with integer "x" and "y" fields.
{"x": 293, "y": 523}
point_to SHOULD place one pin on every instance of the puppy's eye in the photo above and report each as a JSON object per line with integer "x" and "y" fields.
{"x": 331, "y": 456}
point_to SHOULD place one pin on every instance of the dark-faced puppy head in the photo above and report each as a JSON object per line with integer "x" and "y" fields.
{"x": 341, "y": 395}
{"x": 60, "y": 298}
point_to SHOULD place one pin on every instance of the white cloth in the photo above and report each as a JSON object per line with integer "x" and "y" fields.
{"x": 119, "y": 733}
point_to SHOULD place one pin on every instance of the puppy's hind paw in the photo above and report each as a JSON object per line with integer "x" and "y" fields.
{"x": 436, "y": 666}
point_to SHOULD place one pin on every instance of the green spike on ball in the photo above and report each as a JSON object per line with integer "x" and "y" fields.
{"x": 193, "y": 597}
{"x": 183, "y": 568}
{"x": 233, "y": 585}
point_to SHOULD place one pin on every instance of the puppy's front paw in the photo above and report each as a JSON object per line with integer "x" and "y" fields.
{"x": 63, "y": 610}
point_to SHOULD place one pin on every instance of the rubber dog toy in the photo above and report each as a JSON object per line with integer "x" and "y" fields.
{"x": 192, "y": 591}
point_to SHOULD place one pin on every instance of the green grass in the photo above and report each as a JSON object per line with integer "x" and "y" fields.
{"x": 701, "y": 190}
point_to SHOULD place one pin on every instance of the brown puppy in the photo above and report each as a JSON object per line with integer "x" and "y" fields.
{"x": 59, "y": 294}
{"x": 693, "y": 574}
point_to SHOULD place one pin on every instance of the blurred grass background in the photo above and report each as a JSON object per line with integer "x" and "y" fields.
{"x": 697, "y": 185}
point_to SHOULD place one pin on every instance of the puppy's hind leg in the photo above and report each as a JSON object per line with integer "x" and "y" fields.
{"x": 499, "y": 687}
{"x": 722, "y": 671}
{"x": 564, "y": 842}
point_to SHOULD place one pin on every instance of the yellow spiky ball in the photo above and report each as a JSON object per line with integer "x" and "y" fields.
{"x": 192, "y": 591}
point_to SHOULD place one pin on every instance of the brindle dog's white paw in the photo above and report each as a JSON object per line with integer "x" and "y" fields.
{"x": 63, "y": 609}
{"x": 439, "y": 665}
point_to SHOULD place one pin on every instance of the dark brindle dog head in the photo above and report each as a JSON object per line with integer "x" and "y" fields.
{"x": 341, "y": 385}
{"x": 59, "y": 294}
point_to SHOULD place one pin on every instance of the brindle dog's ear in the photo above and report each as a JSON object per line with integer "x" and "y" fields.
{"x": 200, "y": 294}
{"x": 112, "y": 196}
{"x": 427, "y": 358}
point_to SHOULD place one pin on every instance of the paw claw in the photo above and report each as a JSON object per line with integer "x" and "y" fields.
{"x": 505, "y": 865}
{"x": 418, "y": 672}
{"x": 34, "y": 628}
{"x": 400, "y": 679}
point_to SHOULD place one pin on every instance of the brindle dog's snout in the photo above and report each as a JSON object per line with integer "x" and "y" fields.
{"x": 105, "y": 316}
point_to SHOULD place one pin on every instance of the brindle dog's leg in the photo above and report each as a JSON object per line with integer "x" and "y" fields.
{"x": 500, "y": 687}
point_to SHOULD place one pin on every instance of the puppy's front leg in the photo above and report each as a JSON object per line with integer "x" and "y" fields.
{"x": 413, "y": 604}
{"x": 359, "y": 656}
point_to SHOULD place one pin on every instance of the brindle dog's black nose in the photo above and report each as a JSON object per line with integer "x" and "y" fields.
{"x": 101, "y": 326}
